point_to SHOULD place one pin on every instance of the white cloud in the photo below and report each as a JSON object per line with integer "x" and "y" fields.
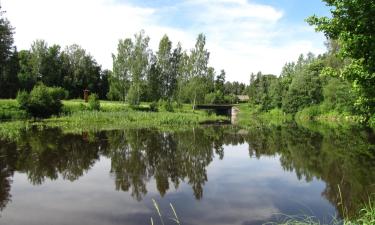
{"x": 242, "y": 37}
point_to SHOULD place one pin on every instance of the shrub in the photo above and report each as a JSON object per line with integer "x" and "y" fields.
{"x": 166, "y": 105}
{"x": 178, "y": 104}
{"x": 154, "y": 107}
{"x": 210, "y": 98}
{"x": 22, "y": 99}
{"x": 42, "y": 101}
{"x": 232, "y": 98}
{"x": 94, "y": 103}
{"x": 309, "y": 113}
{"x": 372, "y": 122}
{"x": 10, "y": 109}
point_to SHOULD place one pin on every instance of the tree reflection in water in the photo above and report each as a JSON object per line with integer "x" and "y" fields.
{"x": 344, "y": 158}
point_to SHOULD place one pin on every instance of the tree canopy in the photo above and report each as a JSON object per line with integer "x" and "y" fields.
{"x": 352, "y": 25}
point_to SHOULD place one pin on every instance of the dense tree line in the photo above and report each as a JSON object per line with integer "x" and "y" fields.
{"x": 138, "y": 74}
{"x": 352, "y": 25}
{"x": 172, "y": 74}
{"x": 72, "y": 68}
{"x": 303, "y": 84}
{"x": 341, "y": 80}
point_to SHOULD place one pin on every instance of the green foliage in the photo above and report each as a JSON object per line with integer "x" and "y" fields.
{"x": 130, "y": 67}
{"x": 260, "y": 92}
{"x": 309, "y": 88}
{"x": 72, "y": 69}
{"x": 100, "y": 120}
{"x": 220, "y": 81}
{"x": 235, "y": 88}
{"x": 231, "y": 98}
{"x": 42, "y": 101}
{"x": 154, "y": 90}
{"x": 74, "y": 106}
{"x": 366, "y": 215}
{"x": 214, "y": 98}
{"x": 338, "y": 96}
{"x": 275, "y": 117}
{"x": 8, "y": 59}
{"x": 154, "y": 107}
{"x": 372, "y": 122}
{"x": 10, "y": 110}
{"x": 94, "y": 103}
{"x": 166, "y": 105}
{"x": 305, "y": 89}
{"x": 120, "y": 79}
{"x": 133, "y": 97}
{"x": 309, "y": 113}
{"x": 351, "y": 24}
{"x": 168, "y": 77}
{"x": 200, "y": 77}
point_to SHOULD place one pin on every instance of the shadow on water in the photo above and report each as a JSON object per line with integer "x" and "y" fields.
{"x": 344, "y": 158}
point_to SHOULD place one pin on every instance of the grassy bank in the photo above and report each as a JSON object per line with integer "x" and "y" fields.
{"x": 251, "y": 116}
{"x": 93, "y": 121}
{"x": 317, "y": 113}
{"x": 10, "y": 110}
{"x": 76, "y": 117}
{"x": 366, "y": 216}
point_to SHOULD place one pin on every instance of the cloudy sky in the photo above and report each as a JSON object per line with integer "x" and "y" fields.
{"x": 243, "y": 36}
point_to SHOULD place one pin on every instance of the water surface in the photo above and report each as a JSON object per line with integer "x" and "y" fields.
{"x": 211, "y": 175}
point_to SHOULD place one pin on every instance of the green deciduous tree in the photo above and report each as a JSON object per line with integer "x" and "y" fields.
{"x": 164, "y": 63}
{"x": 120, "y": 79}
{"x": 201, "y": 77}
{"x": 305, "y": 89}
{"x": 139, "y": 64}
{"x": 220, "y": 81}
{"x": 154, "y": 92}
{"x": 352, "y": 25}
{"x": 8, "y": 59}
{"x": 81, "y": 71}
{"x": 25, "y": 73}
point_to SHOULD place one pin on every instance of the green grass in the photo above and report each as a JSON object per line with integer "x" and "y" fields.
{"x": 330, "y": 118}
{"x": 250, "y": 116}
{"x": 113, "y": 115}
{"x": 10, "y": 110}
{"x": 12, "y": 130}
{"x": 72, "y": 106}
{"x": 366, "y": 216}
{"x": 98, "y": 120}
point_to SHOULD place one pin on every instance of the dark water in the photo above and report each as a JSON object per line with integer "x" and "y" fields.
{"x": 212, "y": 175}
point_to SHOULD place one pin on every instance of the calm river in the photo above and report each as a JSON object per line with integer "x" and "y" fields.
{"x": 211, "y": 175}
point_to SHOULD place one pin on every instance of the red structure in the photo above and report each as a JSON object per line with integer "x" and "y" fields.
{"x": 86, "y": 95}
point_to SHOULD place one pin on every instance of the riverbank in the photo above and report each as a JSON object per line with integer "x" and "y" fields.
{"x": 366, "y": 216}
{"x": 309, "y": 117}
{"x": 76, "y": 117}
{"x": 346, "y": 150}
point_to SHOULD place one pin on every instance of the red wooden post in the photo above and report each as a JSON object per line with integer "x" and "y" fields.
{"x": 86, "y": 95}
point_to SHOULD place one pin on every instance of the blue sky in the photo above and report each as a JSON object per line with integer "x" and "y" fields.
{"x": 243, "y": 36}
